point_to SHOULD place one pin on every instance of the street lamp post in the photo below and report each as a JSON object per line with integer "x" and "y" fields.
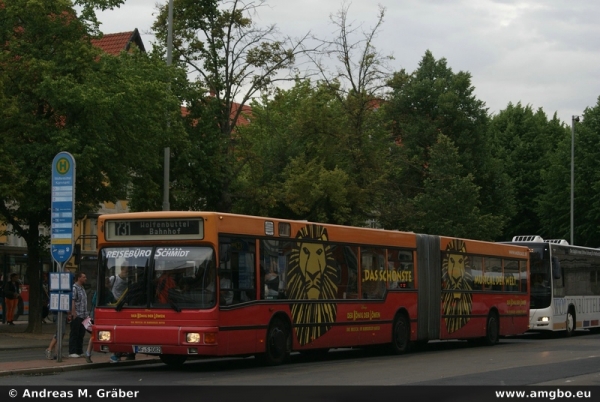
{"x": 167, "y": 152}
{"x": 574, "y": 119}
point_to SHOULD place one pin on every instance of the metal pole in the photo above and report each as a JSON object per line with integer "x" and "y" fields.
{"x": 167, "y": 153}
{"x": 59, "y": 327}
{"x": 573, "y": 120}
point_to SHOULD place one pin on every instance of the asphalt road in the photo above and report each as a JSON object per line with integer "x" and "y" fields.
{"x": 524, "y": 360}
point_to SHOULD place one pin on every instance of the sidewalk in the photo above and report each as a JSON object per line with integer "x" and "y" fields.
{"x": 14, "y": 337}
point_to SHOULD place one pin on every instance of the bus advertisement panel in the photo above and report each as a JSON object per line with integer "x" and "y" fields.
{"x": 189, "y": 284}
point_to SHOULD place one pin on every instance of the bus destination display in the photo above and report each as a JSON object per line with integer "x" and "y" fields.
{"x": 175, "y": 229}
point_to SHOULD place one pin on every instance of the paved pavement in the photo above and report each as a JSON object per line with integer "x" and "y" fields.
{"x": 14, "y": 337}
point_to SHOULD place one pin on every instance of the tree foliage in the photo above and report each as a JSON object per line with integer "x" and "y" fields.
{"x": 231, "y": 58}
{"x": 320, "y": 152}
{"x": 525, "y": 140}
{"x": 587, "y": 178}
{"x": 296, "y": 159}
{"x": 434, "y": 100}
{"x": 450, "y": 202}
{"x": 554, "y": 208}
{"x": 60, "y": 94}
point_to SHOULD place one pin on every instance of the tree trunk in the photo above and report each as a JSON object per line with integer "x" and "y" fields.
{"x": 34, "y": 278}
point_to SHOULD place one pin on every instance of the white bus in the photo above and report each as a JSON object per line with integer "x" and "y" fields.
{"x": 565, "y": 285}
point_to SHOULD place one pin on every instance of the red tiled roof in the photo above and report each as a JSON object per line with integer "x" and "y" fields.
{"x": 243, "y": 119}
{"x": 245, "y": 115}
{"x": 115, "y": 43}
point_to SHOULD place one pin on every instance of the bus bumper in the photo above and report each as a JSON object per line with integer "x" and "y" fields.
{"x": 200, "y": 341}
{"x": 540, "y": 321}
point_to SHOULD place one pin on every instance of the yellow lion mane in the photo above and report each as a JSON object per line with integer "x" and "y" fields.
{"x": 312, "y": 319}
{"x": 456, "y": 306}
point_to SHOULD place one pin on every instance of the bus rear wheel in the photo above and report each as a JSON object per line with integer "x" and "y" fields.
{"x": 492, "y": 332}
{"x": 173, "y": 360}
{"x": 278, "y": 344}
{"x": 400, "y": 335}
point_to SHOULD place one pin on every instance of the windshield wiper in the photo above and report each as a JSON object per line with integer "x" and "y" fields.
{"x": 174, "y": 306}
{"x": 120, "y": 304}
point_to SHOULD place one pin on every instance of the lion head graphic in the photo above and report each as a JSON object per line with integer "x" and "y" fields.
{"x": 312, "y": 276}
{"x": 456, "y": 279}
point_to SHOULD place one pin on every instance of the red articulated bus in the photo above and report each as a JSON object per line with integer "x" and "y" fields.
{"x": 195, "y": 284}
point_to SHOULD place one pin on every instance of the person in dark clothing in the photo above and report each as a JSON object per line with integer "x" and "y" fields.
{"x": 11, "y": 296}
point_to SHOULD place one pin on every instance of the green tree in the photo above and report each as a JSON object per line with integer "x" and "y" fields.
{"x": 525, "y": 142}
{"x": 554, "y": 207}
{"x": 449, "y": 204}
{"x": 434, "y": 100}
{"x": 296, "y": 158}
{"x": 587, "y": 178}
{"x": 60, "y": 94}
{"x": 357, "y": 77}
{"x": 232, "y": 59}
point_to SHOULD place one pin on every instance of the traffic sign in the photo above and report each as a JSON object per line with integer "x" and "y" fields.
{"x": 62, "y": 207}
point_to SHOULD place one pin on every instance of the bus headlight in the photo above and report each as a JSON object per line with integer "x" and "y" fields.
{"x": 544, "y": 319}
{"x": 104, "y": 336}
{"x": 192, "y": 337}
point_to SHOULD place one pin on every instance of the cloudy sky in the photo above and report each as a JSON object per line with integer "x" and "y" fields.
{"x": 543, "y": 53}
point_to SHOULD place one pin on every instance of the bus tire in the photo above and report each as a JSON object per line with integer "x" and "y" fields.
{"x": 492, "y": 331}
{"x": 400, "y": 335}
{"x": 278, "y": 344}
{"x": 570, "y": 323}
{"x": 174, "y": 361}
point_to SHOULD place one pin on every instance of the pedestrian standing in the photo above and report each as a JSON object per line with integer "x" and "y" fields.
{"x": 88, "y": 352}
{"x": 11, "y": 295}
{"x": 51, "y": 353}
{"x": 45, "y": 299}
{"x": 79, "y": 312}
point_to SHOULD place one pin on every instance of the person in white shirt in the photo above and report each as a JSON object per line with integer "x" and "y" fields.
{"x": 119, "y": 282}
{"x": 226, "y": 295}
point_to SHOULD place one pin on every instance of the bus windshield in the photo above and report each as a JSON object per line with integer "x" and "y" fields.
{"x": 541, "y": 287}
{"x": 157, "y": 277}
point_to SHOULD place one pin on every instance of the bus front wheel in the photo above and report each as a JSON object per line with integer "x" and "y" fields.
{"x": 278, "y": 344}
{"x": 570, "y": 322}
{"x": 173, "y": 360}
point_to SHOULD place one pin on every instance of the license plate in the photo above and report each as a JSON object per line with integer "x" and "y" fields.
{"x": 147, "y": 349}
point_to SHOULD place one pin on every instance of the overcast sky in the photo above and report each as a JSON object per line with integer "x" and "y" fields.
{"x": 543, "y": 53}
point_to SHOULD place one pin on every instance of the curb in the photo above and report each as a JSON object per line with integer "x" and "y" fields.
{"x": 5, "y": 348}
{"x": 75, "y": 367}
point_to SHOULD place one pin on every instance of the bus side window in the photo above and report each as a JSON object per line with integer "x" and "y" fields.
{"x": 556, "y": 271}
{"x": 523, "y": 275}
{"x": 493, "y": 274}
{"x": 511, "y": 275}
{"x": 477, "y": 272}
{"x": 350, "y": 264}
{"x": 594, "y": 281}
{"x": 274, "y": 264}
{"x": 372, "y": 268}
{"x": 237, "y": 269}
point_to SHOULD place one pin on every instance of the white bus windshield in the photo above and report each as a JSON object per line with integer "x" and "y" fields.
{"x": 159, "y": 277}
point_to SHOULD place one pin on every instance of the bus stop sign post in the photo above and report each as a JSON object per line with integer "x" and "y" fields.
{"x": 62, "y": 220}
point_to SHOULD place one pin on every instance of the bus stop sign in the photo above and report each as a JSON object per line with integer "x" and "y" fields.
{"x": 63, "y": 207}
